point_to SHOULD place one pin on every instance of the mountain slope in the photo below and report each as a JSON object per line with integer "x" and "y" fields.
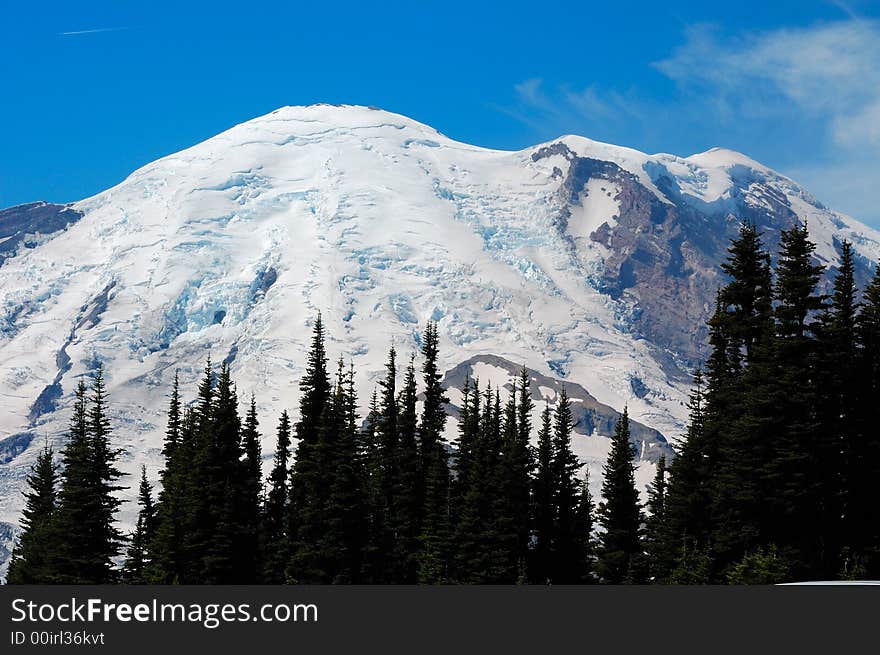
{"x": 584, "y": 261}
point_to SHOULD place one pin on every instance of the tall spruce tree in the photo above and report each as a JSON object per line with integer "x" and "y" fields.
{"x": 250, "y": 499}
{"x": 838, "y": 444}
{"x": 137, "y": 561}
{"x": 517, "y": 466}
{"x": 654, "y": 525}
{"x": 274, "y": 526}
{"x": 567, "y": 546}
{"x": 345, "y": 517}
{"x": 794, "y": 477}
{"x": 87, "y": 504}
{"x": 222, "y": 560}
{"x": 167, "y": 548}
{"x": 309, "y": 484}
{"x": 433, "y": 557}
{"x": 686, "y": 528}
{"x": 407, "y": 508}
{"x": 739, "y": 416}
{"x": 385, "y": 473}
{"x": 620, "y": 512}
{"x": 544, "y": 511}
{"x": 199, "y": 494}
{"x": 584, "y": 521}
{"x": 34, "y": 556}
{"x": 868, "y": 326}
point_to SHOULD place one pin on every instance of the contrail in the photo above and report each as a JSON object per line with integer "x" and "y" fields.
{"x": 95, "y": 31}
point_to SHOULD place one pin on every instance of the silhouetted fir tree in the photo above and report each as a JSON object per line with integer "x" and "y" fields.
{"x": 567, "y": 544}
{"x": 794, "y": 473}
{"x": 274, "y": 514}
{"x": 584, "y": 522}
{"x": 87, "y": 503}
{"x": 739, "y": 415}
{"x": 371, "y": 458}
{"x": 34, "y": 556}
{"x": 544, "y": 513}
{"x": 516, "y": 468}
{"x": 840, "y": 432}
{"x": 166, "y": 549}
{"x": 868, "y": 326}
{"x": 224, "y": 558}
{"x": 654, "y": 525}
{"x": 686, "y": 526}
{"x": 385, "y": 471}
{"x": 520, "y": 459}
{"x": 513, "y": 479}
{"x": 308, "y": 480}
{"x": 198, "y": 494}
{"x": 481, "y": 555}
{"x": 499, "y": 529}
{"x": 469, "y": 496}
{"x": 433, "y": 557}
{"x": 173, "y": 558}
{"x": 249, "y": 494}
{"x": 137, "y": 561}
{"x": 407, "y": 493}
{"x": 343, "y": 543}
{"x": 620, "y": 512}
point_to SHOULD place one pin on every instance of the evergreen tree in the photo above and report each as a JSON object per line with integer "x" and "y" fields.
{"x": 384, "y": 474}
{"x": 586, "y": 548}
{"x": 433, "y": 558}
{"x": 223, "y": 560}
{"x": 480, "y": 557}
{"x": 134, "y": 571}
{"x": 407, "y": 504}
{"x": 517, "y": 466}
{"x": 87, "y": 504}
{"x": 686, "y": 526}
{"x": 309, "y": 484}
{"x": 198, "y": 491}
{"x": 33, "y": 559}
{"x": 794, "y": 479}
{"x": 343, "y": 542}
{"x": 249, "y": 494}
{"x": 371, "y": 455}
{"x": 275, "y": 538}
{"x": 567, "y": 546}
{"x": 619, "y": 512}
{"x": 865, "y": 522}
{"x": 166, "y": 550}
{"x": 544, "y": 511}
{"x": 845, "y": 474}
{"x": 739, "y": 415}
{"x": 654, "y": 526}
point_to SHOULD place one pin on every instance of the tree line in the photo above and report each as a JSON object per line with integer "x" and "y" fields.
{"x": 379, "y": 500}
{"x": 772, "y": 481}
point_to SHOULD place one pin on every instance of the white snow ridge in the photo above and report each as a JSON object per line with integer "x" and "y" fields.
{"x": 231, "y": 247}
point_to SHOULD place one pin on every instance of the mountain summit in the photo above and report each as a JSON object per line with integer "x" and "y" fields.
{"x": 587, "y": 262}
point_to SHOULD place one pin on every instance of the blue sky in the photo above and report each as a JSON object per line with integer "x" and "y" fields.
{"x": 89, "y": 91}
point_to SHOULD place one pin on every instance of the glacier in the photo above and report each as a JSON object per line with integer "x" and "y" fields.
{"x": 587, "y": 262}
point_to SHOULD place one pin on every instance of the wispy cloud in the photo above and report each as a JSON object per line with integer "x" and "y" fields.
{"x": 806, "y": 98}
{"x": 97, "y": 30}
{"x": 831, "y": 71}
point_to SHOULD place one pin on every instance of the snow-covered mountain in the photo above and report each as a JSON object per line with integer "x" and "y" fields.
{"x": 587, "y": 262}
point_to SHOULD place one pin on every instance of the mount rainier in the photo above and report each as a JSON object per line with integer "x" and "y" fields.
{"x": 591, "y": 264}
